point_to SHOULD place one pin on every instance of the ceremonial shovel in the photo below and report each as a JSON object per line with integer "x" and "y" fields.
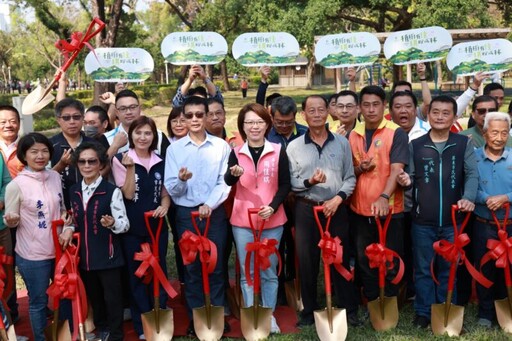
{"x": 384, "y": 310}
{"x": 208, "y": 320}
{"x": 158, "y": 324}
{"x": 330, "y": 323}
{"x": 292, "y": 288}
{"x": 40, "y": 97}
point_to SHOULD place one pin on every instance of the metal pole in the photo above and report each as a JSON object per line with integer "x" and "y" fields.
{"x": 166, "y": 72}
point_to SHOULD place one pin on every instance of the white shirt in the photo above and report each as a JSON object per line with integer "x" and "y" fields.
{"x": 420, "y": 128}
{"x": 121, "y": 223}
{"x": 207, "y": 162}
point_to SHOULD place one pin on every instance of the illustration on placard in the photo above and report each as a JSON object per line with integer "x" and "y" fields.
{"x": 418, "y": 45}
{"x": 347, "y": 49}
{"x": 189, "y": 48}
{"x": 119, "y": 64}
{"x": 490, "y": 56}
{"x": 266, "y": 48}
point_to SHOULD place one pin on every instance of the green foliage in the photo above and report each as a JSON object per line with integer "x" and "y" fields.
{"x": 452, "y": 14}
{"x": 45, "y": 120}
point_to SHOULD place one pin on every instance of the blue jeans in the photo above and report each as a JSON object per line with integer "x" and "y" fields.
{"x": 193, "y": 276}
{"x": 269, "y": 282}
{"x": 423, "y": 238}
{"x": 36, "y": 275}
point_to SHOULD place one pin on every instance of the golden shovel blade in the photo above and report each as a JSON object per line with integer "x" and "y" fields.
{"x": 339, "y": 324}
{"x": 36, "y": 100}
{"x": 11, "y": 333}
{"x": 504, "y": 314}
{"x": 452, "y": 325}
{"x": 165, "y": 329}
{"x": 383, "y": 314}
{"x": 255, "y": 322}
{"x": 292, "y": 296}
{"x": 63, "y": 331}
{"x": 214, "y": 331}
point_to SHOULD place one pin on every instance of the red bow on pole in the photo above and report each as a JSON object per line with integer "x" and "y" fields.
{"x": 382, "y": 257}
{"x": 150, "y": 269}
{"x": 332, "y": 254}
{"x": 261, "y": 250}
{"x": 191, "y": 244}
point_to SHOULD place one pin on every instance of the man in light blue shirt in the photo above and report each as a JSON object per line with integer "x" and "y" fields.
{"x": 494, "y": 190}
{"x": 194, "y": 178}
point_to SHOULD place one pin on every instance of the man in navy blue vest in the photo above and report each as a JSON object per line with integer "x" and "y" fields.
{"x": 443, "y": 171}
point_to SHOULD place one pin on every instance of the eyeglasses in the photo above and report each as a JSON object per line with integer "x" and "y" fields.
{"x": 176, "y": 122}
{"x": 279, "y": 123}
{"x": 254, "y": 123}
{"x": 219, "y": 113}
{"x": 90, "y": 162}
{"x": 483, "y": 111}
{"x": 73, "y": 117}
{"x": 345, "y": 106}
{"x": 189, "y": 115}
{"x": 132, "y": 107}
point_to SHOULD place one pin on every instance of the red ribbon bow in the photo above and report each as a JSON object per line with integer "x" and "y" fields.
{"x": 382, "y": 257}
{"x": 150, "y": 269}
{"x": 454, "y": 252}
{"x": 499, "y": 250}
{"x": 332, "y": 254}
{"x": 191, "y": 244}
{"x": 263, "y": 250}
{"x": 5, "y": 260}
{"x": 78, "y": 41}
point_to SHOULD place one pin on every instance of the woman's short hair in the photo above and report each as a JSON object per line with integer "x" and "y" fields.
{"x": 27, "y": 141}
{"x": 101, "y": 152}
{"x": 139, "y": 122}
{"x": 259, "y": 110}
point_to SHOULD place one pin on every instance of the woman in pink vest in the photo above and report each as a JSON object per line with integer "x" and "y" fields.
{"x": 259, "y": 171}
{"x": 32, "y": 201}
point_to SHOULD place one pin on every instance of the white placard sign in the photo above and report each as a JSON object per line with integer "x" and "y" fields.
{"x": 266, "y": 48}
{"x": 490, "y": 56}
{"x": 417, "y": 45}
{"x": 347, "y": 49}
{"x": 189, "y": 48}
{"x": 119, "y": 64}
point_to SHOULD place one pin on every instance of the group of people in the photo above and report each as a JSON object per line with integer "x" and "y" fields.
{"x": 100, "y": 180}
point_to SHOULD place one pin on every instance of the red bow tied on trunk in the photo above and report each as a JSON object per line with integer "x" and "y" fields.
{"x": 332, "y": 254}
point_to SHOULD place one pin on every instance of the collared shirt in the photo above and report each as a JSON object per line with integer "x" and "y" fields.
{"x": 334, "y": 158}
{"x": 121, "y": 223}
{"x": 207, "y": 162}
{"x": 494, "y": 179}
{"x": 8, "y": 149}
{"x": 161, "y": 146}
{"x": 477, "y": 138}
{"x": 420, "y": 128}
{"x": 275, "y": 137}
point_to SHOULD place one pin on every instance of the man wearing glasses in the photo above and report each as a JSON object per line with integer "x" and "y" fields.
{"x": 194, "y": 177}
{"x": 285, "y": 129}
{"x": 347, "y": 110}
{"x": 70, "y": 116}
{"x": 481, "y": 106}
{"x": 128, "y": 110}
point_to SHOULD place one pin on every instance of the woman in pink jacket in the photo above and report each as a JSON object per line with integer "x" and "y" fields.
{"x": 260, "y": 173}
{"x": 36, "y": 192}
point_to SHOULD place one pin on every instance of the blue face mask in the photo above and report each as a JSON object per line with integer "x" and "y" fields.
{"x": 90, "y": 131}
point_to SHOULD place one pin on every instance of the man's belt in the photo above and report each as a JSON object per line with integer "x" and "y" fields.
{"x": 309, "y": 201}
{"x": 492, "y": 222}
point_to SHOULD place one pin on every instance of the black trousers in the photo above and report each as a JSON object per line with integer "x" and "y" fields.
{"x": 105, "y": 291}
{"x": 307, "y": 236}
{"x": 368, "y": 233}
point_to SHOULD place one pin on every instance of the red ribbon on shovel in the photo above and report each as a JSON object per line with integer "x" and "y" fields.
{"x": 381, "y": 257}
{"x": 454, "y": 252}
{"x": 193, "y": 243}
{"x": 262, "y": 250}
{"x": 500, "y": 250}
{"x": 4, "y": 260}
{"x": 331, "y": 248}
{"x": 150, "y": 268}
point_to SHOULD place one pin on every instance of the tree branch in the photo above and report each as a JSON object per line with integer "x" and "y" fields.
{"x": 179, "y": 14}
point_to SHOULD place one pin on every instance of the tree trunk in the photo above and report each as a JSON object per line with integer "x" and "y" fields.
{"x": 310, "y": 73}
{"x": 224, "y": 75}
